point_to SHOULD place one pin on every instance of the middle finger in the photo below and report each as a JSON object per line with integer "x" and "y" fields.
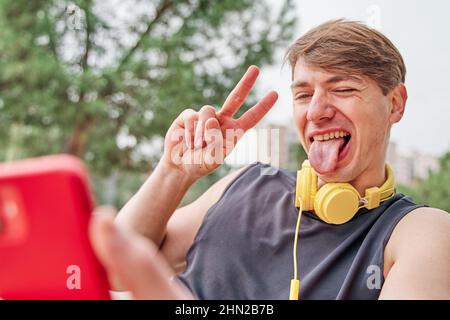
{"x": 238, "y": 95}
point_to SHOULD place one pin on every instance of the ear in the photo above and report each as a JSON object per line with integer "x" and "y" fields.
{"x": 399, "y": 95}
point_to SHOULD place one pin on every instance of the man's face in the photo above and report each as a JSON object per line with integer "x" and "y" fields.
{"x": 343, "y": 122}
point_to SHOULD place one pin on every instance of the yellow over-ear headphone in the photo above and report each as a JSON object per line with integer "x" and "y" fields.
{"x": 337, "y": 203}
{"x": 334, "y": 203}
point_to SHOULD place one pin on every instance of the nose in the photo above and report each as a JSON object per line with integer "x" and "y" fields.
{"x": 319, "y": 109}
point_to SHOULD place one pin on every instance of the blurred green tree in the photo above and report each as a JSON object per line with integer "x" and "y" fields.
{"x": 433, "y": 191}
{"x": 103, "y": 80}
{"x": 296, "y": 157}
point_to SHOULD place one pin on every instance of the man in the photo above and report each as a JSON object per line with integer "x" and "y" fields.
{"x": 235, "y": 241}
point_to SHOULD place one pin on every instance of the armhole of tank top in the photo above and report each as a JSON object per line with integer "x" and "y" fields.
{"x": 412, "y": 206}
{"x": 208, "y": 213}
{"x": 244, "y": 171}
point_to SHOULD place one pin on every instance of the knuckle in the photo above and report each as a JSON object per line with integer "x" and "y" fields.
{"x": 207, "y": 110}
{"x": 189, "y": 115}
{"x": 237, "y": 98}
{"x": 187, "y": 111}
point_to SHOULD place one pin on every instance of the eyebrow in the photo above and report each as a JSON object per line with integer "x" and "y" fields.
{"x": 334, "y": 79}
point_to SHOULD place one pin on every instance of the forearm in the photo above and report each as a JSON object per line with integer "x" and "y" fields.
{"x": 148, "y": 211}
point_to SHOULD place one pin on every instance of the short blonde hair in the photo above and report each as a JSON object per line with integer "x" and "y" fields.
{"x": 351, "y": 47}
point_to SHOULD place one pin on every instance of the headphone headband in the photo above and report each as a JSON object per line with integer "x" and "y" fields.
{"x": 337, "y": 203}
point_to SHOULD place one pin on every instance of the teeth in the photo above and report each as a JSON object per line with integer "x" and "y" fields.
{"x": 331, "y": 135}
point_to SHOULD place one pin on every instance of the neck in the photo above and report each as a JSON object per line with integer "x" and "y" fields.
{"x": 374, "y": 177}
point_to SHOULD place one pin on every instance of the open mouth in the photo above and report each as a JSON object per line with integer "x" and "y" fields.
{"x": 340, "y": 139}
{"x": 343, "y": 150}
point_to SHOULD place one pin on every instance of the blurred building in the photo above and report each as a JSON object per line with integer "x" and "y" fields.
{"x": 267, "y": 143}
{"x": 276, "y": 144}
{"x": 410, "y": 165}
{"x": 273, "y": 145}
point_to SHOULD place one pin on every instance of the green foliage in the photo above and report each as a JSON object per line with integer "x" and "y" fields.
{"x": 85, "y": 78}
{"x": 435, "y": 190}
{"x": 296, "y": 156}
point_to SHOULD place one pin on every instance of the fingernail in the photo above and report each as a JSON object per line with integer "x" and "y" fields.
{"x": 212, "y": 125}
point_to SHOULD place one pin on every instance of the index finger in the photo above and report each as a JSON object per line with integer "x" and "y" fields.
{"x": 238, "y": 95}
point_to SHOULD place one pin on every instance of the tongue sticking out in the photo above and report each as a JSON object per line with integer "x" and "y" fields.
{"x": 323, "y": 155}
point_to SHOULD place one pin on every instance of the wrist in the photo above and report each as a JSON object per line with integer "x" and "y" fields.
{"x": 174, "y": 173}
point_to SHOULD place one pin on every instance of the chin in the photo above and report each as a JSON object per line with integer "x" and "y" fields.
{"x": 340, "y": 174}
{"x": 332, "y": 177}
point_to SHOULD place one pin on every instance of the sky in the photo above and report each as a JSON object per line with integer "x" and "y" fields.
{"x": 420, "y": 30}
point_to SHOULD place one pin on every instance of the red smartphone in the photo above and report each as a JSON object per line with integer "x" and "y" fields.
{"x": 45, "y": 252}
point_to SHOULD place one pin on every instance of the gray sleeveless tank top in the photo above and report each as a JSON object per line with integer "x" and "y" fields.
{"x": 243, "y": 249}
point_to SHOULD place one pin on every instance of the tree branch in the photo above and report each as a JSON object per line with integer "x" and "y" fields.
{"x": 51, "y": 36}
{"x": 87, "y": 46}
{"x": 78, "y": 139}
{"x": 165, "y": 4}
{"x": 110, "y": 86}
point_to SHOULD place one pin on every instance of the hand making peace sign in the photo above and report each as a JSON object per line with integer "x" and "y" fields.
{"x": 198, "y": 142}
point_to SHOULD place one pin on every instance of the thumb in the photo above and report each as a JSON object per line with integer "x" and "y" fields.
{"x": 134, "y": 261}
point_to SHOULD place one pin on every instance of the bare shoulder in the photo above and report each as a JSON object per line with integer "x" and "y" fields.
{"x": 424, "y": 217}
{"x": 423, "y": 227}
{"x": 417, "y": 256}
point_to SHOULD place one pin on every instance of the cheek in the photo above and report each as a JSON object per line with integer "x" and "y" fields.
{"x": 377, "y": 122}
{"x": 374, "y": 138}
{"x": 300, "y": 121}
{"x": 371, "y": 116}
{"x": 374, "y": 130}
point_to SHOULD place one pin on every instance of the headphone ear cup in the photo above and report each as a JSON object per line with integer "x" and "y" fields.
{"x": 336, "y": 203}
{"x": 306, "y": 187}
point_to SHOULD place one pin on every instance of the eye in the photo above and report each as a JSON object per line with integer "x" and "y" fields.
{"x": 303, "y": 96}
{"x": 346, "y": 90}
